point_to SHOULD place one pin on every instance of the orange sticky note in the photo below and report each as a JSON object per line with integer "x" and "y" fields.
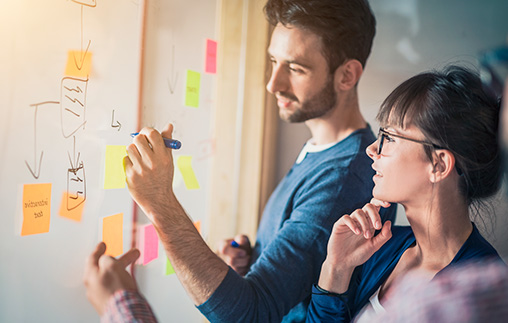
{"x": 79, "y": 63}
{"x": 72, "y": 206}
{"x": 197, "y": 224}
{"x": 36, "y": 208}
{"x": 151, "y": 245}
{"x": 112, "y": 234}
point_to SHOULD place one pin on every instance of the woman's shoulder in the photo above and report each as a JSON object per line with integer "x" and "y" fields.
{"x": 402, "y": 238}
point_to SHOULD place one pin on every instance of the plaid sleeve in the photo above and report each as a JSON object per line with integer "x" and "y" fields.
{"x": 128, "y": 306}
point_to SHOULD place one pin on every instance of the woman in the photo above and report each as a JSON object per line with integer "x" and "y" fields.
{"x": 436, "y": 155}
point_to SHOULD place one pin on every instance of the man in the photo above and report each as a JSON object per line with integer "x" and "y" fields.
{"x": 318, "y": 51}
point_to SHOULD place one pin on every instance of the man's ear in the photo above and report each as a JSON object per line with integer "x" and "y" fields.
{"x": 347, "y": 75}
{"x": 443, "y": 162}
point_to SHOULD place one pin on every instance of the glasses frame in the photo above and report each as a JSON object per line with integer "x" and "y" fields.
{"x": 382, "y": 134}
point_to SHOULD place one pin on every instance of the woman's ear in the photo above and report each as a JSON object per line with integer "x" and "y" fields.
{"x": 347, "y": 75}
{"x": 443, "y": 162}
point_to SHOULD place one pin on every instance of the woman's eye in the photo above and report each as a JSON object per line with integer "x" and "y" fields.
{"x": 389, "y": 138}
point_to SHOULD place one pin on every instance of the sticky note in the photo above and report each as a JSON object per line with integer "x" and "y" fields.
{"x": 151, "y": 244}
{"x": 197, "y": 224}
{"x": 36, "y": 208}
{"x": 192, "y": 89}
{"x": 169, "y": 268}
{"x": 211, "y": 57}
{"x": 114, "y": 173}
{"x": 79, "y": 63}
{"x": 184, "y": 164}
{"x": 112, "y": 234}
{"x": 71, "y": 206}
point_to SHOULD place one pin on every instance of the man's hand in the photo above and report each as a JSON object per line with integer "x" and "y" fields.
{"x": 237, "y": 258}
{"x": 149, "y": 170}
{"x": 104, "y": 275}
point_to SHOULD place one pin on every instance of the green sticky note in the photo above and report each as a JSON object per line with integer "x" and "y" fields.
{"x": 114, "y": 173}
{"x": 184, "y": 164}
{"x": 169, "y": 267}
{"x": 192, "y": 89}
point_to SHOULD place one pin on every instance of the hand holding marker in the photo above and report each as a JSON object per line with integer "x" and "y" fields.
{"x": 170, "y": 143}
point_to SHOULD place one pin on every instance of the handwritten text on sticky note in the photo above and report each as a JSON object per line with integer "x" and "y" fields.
{"x": 36, "y": 208}
{"x": 192, "y": 89}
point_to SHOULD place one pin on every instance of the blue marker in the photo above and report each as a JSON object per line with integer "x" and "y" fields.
{"x": 235, "y": 244}
{"x": 170, "y": 143}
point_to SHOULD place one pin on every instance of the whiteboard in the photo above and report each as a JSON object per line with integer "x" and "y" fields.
{"x": 56, "y": 128}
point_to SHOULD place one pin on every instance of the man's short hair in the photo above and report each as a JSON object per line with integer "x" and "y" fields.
{"x": 346, "y": 27}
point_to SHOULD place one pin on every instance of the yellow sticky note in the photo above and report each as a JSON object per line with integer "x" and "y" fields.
{"x": 184, "y": 164}
{"x": 36, "y": 208}
{"x": 72, "y": 206}
{"x": 112, "y": 234}
{"x": 114, "y": 173}
{"x": 79, "y": 63}
{"x": 169, "y": 267}
{"x": 192, "y": 89}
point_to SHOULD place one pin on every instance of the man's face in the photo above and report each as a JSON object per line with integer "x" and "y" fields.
{"x": 301, "y": 80}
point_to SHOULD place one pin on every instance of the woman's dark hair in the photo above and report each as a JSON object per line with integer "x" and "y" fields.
{"x": 346, "y": 27}
{"x": 453, "y": 111}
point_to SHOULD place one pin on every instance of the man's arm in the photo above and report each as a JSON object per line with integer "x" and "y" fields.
{"x": 149, "y": 170}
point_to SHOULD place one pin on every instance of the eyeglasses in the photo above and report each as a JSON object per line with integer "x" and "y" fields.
{"x": 383, "y": 134}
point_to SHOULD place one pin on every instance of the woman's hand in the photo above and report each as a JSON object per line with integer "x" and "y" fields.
{"x": 352, "y": 243}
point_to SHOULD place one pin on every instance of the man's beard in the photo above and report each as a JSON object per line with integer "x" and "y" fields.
{"x": 315, "y": 107}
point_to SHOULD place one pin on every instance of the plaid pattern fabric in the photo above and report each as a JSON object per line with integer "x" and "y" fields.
{"x": 128, "y": 306}
{"x": 470, "y": 293}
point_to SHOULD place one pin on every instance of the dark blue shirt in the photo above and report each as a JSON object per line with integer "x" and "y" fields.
{"x": 293, "y": 235}
{"x": 368, "y": 278}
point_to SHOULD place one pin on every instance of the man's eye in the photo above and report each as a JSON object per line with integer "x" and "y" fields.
{"x": 295, "y": 69}
{"x": 389, "y": 138}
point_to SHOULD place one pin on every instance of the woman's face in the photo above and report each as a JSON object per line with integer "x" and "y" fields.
{"x": 403, "y": 170}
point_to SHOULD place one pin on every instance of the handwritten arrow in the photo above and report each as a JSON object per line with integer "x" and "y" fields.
{"x": 36, "y": 169}
{"x": 118, "y": 124}
{"x": 79, "y": 65}
{"x": 92, "y": 4}
{"x": 174, "y": 76}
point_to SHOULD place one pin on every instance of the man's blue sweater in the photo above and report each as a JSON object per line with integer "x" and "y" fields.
{"x": 293, "y": 235}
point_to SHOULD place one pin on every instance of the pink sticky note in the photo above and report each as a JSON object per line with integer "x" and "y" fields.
{"x": 151, "y": 245}
{"x": 211, "y": 56}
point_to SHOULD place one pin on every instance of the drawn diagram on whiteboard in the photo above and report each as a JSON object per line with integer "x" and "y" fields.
{"x": 76, "y": 180}
{"x": 174, "y": 76}
{"x": 36, "y": 169}
{"x": 73, "y": 105}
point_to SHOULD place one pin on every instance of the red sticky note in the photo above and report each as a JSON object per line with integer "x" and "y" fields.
{"x": 211, "y": 57}
{"x": 151, "y": 244}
